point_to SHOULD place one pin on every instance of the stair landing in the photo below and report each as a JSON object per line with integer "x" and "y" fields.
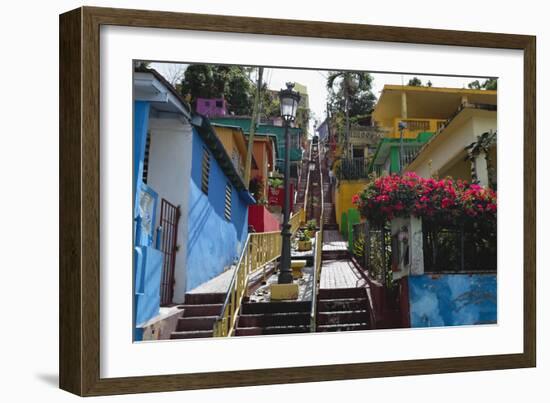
{"x": 340, "y": 274}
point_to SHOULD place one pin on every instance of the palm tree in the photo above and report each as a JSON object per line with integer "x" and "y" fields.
{"x": 350, "y": 83}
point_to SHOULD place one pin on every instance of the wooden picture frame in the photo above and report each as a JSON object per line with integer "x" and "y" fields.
{"x": 80, "y": 199}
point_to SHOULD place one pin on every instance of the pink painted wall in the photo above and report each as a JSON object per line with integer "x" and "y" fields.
{"x": 212, "y": 107}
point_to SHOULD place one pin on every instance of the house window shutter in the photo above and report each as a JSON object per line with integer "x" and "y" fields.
{"x": 228, "y": 195}
{"x": 205, "y": 176}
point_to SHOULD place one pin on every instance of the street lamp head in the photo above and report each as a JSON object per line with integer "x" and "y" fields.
{"x": 289, "y": 100}
{"x": 402, "y": 125}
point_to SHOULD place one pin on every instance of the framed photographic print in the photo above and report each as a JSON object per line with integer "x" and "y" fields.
{"x": 323, "y": 193}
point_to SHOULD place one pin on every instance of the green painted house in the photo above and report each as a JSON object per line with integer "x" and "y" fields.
{"x": 386, "y": 157}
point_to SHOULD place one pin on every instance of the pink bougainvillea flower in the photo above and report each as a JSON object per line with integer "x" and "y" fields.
{"x": 441, "y": 199}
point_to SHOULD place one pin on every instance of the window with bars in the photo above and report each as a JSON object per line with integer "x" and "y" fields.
{"x": 145, "y": 173}
{"x": 205, "y": 176}
{"x": 228, "y": 194}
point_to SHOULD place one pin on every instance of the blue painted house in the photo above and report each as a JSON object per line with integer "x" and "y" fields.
{"x": 190, "y": 203}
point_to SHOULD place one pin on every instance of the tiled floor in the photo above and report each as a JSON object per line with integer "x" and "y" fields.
{"x": 340, "y": 274}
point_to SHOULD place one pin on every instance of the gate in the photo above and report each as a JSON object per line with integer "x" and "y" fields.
{"x": 372, "y": 248}
{"x": 459, "y": 248}
{"x": 169, "y": 218}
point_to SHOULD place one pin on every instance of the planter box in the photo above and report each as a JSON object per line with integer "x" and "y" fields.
{"x": 304, "y": 246}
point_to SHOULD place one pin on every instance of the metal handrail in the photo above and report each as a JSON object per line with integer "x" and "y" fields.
{"x": 259, "y": 250}
{"x": 318, "y": 258}
{"x": 306, "y": 194}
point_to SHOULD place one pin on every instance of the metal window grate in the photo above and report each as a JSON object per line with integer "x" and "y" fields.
{"x": 228, "y": 194}
{"x": 145, "y": 173}
{"x": 205, "y": 171}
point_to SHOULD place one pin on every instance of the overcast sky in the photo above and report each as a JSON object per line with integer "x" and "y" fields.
{"x": 315, "y": 81}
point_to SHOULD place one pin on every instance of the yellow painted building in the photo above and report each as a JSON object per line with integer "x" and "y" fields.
{"x": 234, "y": 142}
{"x": 423, "y": 109}
{"x": 343, "y": 195}
{"x": 437, "y": 124}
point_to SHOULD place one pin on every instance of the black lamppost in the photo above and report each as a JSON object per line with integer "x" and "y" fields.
{"x": 289, "y": 100}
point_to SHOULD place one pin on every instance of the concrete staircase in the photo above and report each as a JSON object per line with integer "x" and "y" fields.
{"x": 343, "y": 309}
{"x": 199, "y": 314}
{"x": 284, "y": 317}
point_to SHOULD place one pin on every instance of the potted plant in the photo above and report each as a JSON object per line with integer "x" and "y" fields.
{"x": 311, "y": 226}
{"x": 304, "y": 242}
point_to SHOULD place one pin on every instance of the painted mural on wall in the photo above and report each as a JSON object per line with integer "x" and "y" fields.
{"x": 453, "y": 299}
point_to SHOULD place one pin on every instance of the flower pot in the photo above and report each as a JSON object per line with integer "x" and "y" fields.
{"x": 304, "y": 246}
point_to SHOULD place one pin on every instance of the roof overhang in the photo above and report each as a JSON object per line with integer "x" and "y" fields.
{"x": 427, "y": 102}
{"x": 151, "y": 88}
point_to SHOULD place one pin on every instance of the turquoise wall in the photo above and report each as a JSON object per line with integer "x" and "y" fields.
{"x": 213, "y": 241}
{"x": 453, "y": 299}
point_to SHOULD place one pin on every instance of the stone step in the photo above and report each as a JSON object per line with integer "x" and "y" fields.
{"x": 204, "y": 298}
{"x": 275, "y": 319}
{"x": 341, "y": 304}
{"x": 342, "y": 317}
{"x": 195, "y": 334}
{"x": 201, "y": 310}
{"x": 341, "y": 254}
{"x": 339, "y": 293}
{"x": 275, "y": 307}
{"x": 257, "y": 331}
{"x": 342, "y": 328}
{"x": 197, "y": 323}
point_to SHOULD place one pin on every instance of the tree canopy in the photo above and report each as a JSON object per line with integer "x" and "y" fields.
{"x": 415, "y": 82}
{"x": 216, "y": 81}
{"x": 353, "y": 89}
{"x": 489, "y": 84}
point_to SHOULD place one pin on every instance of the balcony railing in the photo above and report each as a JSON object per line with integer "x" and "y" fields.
{"x": 353, "y": 168}
{"x": 366, "y": 135}
{"x": 409, "y": 154}
{"x": 416, "y": 126}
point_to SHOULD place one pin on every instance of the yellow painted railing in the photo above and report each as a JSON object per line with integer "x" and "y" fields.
{"x": 306, "y": 194}
{"x": 259, "y": 250}
{"x": 295, "y": 221}
{"x": 416, "y": 126}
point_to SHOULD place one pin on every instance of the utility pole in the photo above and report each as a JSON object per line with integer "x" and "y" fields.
{"x": 252, "y": 131}
{"x": 346, "y": 107}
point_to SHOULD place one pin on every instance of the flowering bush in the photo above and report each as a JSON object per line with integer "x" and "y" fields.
{"x": 441, "y": 200}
